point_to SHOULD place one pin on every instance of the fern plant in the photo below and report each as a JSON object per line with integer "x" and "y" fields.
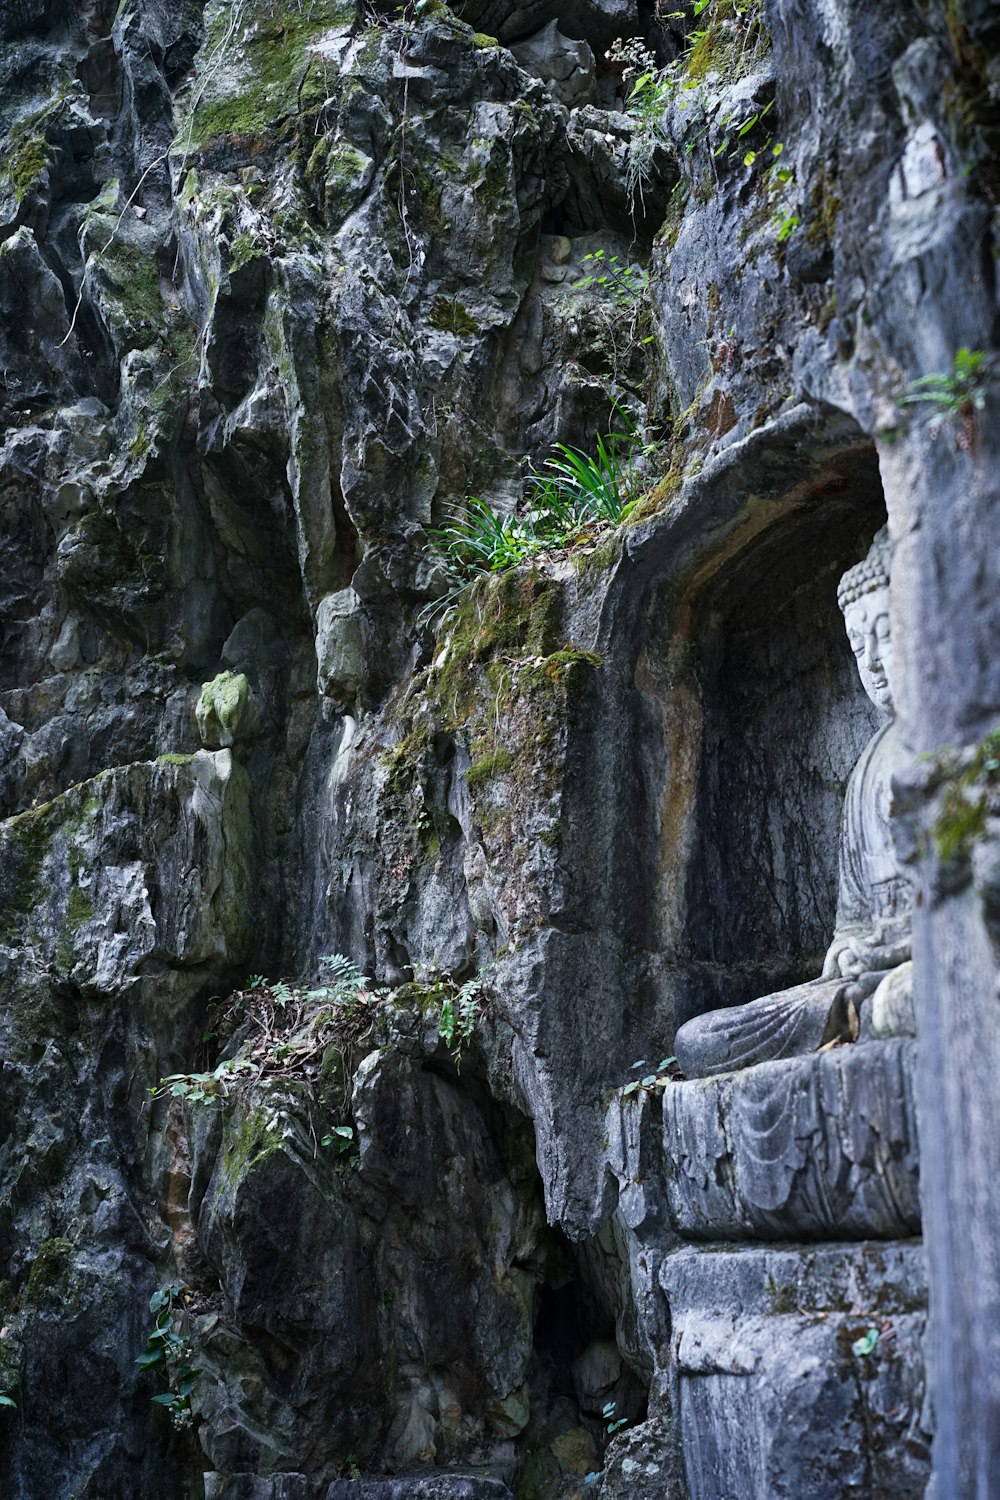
{"x": 459, "y": 1014}
{"x": 962, "y": 388}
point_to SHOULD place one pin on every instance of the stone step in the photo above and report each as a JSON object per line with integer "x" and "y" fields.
{"x": 800, "y": 1370}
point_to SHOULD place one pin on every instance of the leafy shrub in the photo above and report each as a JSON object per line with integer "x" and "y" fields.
{"x": 573, "y": 492}
{"x": 169, "y": 1352}
{"x": 459, "y": 1015}
{"x": 288, "y": 1029}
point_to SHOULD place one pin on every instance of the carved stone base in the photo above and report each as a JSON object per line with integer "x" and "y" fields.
{"x": 800, "y": 1370}
{"x": 811, "y": 1147}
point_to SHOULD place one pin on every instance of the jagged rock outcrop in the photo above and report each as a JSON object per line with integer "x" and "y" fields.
{"x": 282, "y": 282}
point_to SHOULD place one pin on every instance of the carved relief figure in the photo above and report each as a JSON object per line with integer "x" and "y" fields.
{"x": 864, "y": 987}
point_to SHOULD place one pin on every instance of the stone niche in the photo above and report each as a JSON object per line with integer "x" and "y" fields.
{"x": 797, "y": 1305}
{"x": 783, "y": 720}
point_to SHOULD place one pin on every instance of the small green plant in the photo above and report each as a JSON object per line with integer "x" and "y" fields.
{"x": 459, "y": 1015}
{"x": 289, "y": 1028}
{"x": 573, "y": 492}
{"x": 625, "y": 283}
{"x": 866, "y": 1344}
{"x": 613, "y": 1424}
{"x": 969, "y": 796}
{"x": 646, "y": 106}
{"x": 657, "y": 1078}
{"x": 478, "y": 539}
{"x": 169, "y": 1351}
{"x": 343, "y": 1137}
{"x": 960, "y": 389}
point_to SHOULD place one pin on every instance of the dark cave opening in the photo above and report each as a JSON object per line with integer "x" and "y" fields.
{"x": 580, "y": 1381}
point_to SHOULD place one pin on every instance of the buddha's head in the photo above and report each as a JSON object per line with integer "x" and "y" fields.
{"x": 863, "y": 596}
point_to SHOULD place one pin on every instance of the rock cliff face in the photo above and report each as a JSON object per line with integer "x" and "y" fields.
{"x": 405, "y": 892}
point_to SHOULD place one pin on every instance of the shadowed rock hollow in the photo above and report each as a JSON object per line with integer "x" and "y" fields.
{"x": 406, "y": 891}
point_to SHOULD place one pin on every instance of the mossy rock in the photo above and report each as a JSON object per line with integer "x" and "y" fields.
{"x": 449, "y": 316}
{"x": 122, "y": 265}
{"x": 259, "y": 72}
{"x": 968, "y": 796}
{"x": 488, "y": 767}
{"x": 226, "y": 711}
{"x": 54, "y": 1280}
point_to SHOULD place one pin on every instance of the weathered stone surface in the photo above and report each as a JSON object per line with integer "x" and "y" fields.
{"x": 302, "y": 277}
{"x": 296, "y": 1487}
{"x": 225, "y": 711}
{"x": 340, "y": 646}
{"x": 777, "y": 1394}
{"x": 439, "y": 1487}
{"x": 564, "y": 65}
{"x": 811, "y": 1147}
{"x": 119, "y": 903}
{"x": 640, "y": 1465}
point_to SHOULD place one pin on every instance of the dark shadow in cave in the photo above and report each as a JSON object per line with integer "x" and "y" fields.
{"x": 579, "y": 1380}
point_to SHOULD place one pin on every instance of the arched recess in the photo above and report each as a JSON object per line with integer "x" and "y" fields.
{"x": 783, "y": 719}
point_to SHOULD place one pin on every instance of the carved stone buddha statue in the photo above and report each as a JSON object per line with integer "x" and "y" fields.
{"x": 869, "y": 954}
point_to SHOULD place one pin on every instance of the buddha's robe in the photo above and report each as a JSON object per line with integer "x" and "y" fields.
{"x": 872, "y": 934}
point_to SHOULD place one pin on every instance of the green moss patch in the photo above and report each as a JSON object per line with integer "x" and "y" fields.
{"x": 504, "y": 682}
{"x": 449, "y": 316}
{"x": 733, "y": 42}
{"x": 260, "y": 72}
{"x": 965, "y": 804}
{"x": 127, "y": 275}
{"x": 487, "y": 767}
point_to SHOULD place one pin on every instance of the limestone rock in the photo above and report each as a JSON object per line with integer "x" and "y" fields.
{"x": 564, "y": 65}
{"x": 301, "y": 278}
{"x": 225, "y": 711}
{"x": 440, "y": 1487}
{"x": 638, "y": 1464}
{"x": 340, "y": 645}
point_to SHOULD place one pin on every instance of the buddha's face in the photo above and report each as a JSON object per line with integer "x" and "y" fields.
{"x": 867, "y": 621}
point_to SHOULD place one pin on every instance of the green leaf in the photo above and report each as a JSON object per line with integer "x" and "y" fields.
{"x": 149, "y": 1357}
{"x": 865, "y": 1344}
{"x": 7, "y": 1401}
